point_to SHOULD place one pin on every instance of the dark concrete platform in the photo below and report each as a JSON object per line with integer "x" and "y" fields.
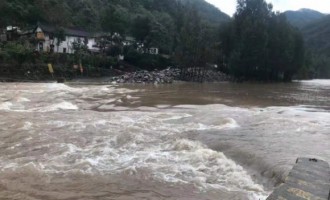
{"x": 309, "y": 179}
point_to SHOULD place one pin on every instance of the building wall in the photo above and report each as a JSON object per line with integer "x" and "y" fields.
{"x": 65, "y": 46}
{"x": 91, "y": 44}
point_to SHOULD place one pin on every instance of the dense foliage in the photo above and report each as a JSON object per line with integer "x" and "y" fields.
{"x": 315, "y": 28}
{"x": 317, "y": 37}
{"x": 153, "y": 21}
{"x": 17, "y": 60}
{"x": 260, "y": 44}
{"x": 303, "y": 17}
{"x": 257, "y": 44}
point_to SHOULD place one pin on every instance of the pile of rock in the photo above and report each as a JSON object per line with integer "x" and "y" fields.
{"x": 165, "y": 76}
{"x": 168, "y": 76}
{"x": 216, "y": 76}
{"x": 209, "y": 75}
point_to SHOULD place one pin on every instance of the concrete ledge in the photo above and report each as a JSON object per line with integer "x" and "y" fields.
{"x": 309, "y": 179}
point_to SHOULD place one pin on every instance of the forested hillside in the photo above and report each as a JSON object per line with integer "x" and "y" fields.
{"x": 315, "y": 27}
{"x": 317, "y": 37}
{"x": 302, "y": 17}
{"x": 156, "y": 22}
{"x": 91, "y": 13}
{"x": 261, "y": 45}
{"x": 257, "y": 44}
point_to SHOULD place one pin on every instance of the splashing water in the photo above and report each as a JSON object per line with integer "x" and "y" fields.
{"x": 108, "y": 142}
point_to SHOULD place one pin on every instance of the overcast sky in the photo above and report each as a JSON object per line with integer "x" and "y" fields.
{"x": 229, "y": 6}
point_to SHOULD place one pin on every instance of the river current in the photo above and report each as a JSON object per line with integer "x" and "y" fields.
{"x": 181, "y": 141}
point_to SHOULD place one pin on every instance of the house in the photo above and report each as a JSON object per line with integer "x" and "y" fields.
{"x": 52, "y": 39}
{"x": 12, "y": 33}
{"x": 128, "y": 41}
{"x": 48, "y": 39}
{"x": 144, "y": 50}
{"x": 153, "y": 51}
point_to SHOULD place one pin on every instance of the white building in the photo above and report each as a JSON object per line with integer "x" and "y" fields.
{"x": 47, "y": 41}
{"x": 128, "y": 41}
{"x": 153, "y": 51}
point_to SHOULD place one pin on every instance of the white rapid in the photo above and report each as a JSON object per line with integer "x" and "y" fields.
{"x": 110, "y": 142}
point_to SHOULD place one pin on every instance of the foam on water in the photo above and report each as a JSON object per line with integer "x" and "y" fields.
{"x": 63, "y": 87}
{"x": 22, "y": 99}
{"x": 316, "y": 82}
{"x": 59, "y": 106}
{"x": 5, "y": 105}
{"x": 27, "y": 126}
{"x": 103, "y": 130}
{"x": 149, "y": 142}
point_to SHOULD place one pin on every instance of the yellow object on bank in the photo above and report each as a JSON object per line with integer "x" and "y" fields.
{"x": 50, "y": 68}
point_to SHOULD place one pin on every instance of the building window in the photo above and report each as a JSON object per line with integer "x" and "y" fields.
{"x": 51, "y": 36}
{"x": 153, "y": 51}
{"x": 41, "y": 46}
{"x": 64, "y": 50}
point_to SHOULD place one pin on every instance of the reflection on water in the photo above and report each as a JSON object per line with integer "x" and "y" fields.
{"x": 181, "y": 141}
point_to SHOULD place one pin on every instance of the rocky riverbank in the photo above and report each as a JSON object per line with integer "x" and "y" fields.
{"x": 166, "y": 76}
{"x": 163, "y": 76}
{"x": 216, "y": 76}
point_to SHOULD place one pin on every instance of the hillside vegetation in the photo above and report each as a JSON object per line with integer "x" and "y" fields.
{"x": 257, "y": 44}
{"x": 302, "y": 17}
{"x": 91, "y": 13}
{"x": 315, "y": 27}
{"x": 261, "y": 45}
{"x": 317, "y": 37}
{"x": 155, "y": 22}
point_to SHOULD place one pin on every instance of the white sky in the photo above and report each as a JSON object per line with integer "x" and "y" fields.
{"x": 229, "y": 6}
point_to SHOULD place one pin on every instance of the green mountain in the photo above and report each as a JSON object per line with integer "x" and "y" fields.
{"x": 317, "y": 35}
{"x": 89, "y": 13}
{"x": 155, "y": 22}
{"x": 317, "y": 39}
{"x": 315, "y": 27}
{"x": 303, "y": 17}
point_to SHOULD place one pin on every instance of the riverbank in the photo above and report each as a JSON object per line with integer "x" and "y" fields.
{"x": 165, "y": 76}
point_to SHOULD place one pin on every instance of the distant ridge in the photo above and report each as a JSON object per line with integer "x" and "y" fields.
{"x": 88, "y": 13}
{"x": 302, "y": 17}
{"x": 317, "y": 35}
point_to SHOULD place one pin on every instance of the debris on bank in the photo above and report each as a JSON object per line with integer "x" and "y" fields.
{"x": 167, "y": 76}
{"x": 163, "y": 76}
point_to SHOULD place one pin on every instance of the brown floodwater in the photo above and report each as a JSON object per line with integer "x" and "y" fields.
{"x": 180, "y": 141}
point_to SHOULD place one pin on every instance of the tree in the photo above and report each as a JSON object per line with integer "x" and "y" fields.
{"x": 80, "y": 50}
{"x": 141, "y": 28}
{"x": 2, "y": 10}
{"x": 114, "y": 21}
{"x": 192, "y": 51}
{"x": 260, "y": 44}
{"x": 60, "y": 37}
